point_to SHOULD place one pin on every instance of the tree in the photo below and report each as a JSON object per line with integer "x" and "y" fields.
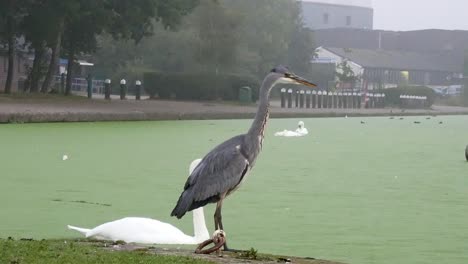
{"x": 301, "y": 51}
{"x": 43, "y": 28}
{"x": 267, "y": 28}
{"x": 122, "y": 19}
{"x": 345, "y": 74}
{"x": 59, "y": 10}
{"x": 218, "y": 36}
{"x": 11, "y": 13}
{"x": 87, "y": 19}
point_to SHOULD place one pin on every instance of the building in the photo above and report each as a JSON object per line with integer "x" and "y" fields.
{"x": 377, "y": 68}
{"x": 427, "y": 40}
{"x": 325, "y": 14}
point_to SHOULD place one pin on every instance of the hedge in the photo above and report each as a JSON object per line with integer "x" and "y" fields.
{"x": 392, "y": 95}
{"x": 201, "y": 86}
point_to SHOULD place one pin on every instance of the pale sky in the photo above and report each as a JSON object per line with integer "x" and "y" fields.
{"x": 420, "y": 14}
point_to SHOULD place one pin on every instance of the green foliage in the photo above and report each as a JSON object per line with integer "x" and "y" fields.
{"x": 252, "y": 253}
{"x": 221, "y": 37}
{"x": 301, "y": 51}
{"x": 217, "y": 30}
{"x": 344, "y": 73}
{"x": 392, "y": 95}
{"x": 201, "y": 86}
{"x": 59, "y": 251}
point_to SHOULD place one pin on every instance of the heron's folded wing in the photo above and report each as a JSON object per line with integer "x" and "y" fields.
{"x": 220, "y": 171}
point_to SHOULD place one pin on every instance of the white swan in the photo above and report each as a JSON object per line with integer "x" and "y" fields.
{"x": 299, "y": 132}
{"x": 149, "y": 231}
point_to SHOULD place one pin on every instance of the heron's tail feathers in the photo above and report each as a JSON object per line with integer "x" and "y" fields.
{"x": 83, "y": 231}
{"x": 183, "y": 204}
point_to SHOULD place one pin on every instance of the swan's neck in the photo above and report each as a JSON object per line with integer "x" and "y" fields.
{"x": 199, "y": 225}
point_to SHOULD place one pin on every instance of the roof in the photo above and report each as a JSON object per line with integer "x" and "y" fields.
{"x": 402, "y": 60}
{"x": 357, "y": 3}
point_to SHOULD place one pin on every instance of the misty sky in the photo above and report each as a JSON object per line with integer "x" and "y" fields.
{"x": 420, "y": 14}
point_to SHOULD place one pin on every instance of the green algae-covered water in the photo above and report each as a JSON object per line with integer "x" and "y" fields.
{"x": 387, "y": 191}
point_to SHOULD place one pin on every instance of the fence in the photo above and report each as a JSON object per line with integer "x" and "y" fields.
{"x": 81, "y": 84}
{"x": 324, "y": 99}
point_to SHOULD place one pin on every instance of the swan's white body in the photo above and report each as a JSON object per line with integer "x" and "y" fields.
{"x": 299, "y": 132}
{"x": 149, "y": 231}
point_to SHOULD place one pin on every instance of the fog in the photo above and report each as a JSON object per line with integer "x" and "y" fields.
{"x": 420, "y": 14}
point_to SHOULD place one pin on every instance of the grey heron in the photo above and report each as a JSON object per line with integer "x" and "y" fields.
{"x": 224, "y": 168}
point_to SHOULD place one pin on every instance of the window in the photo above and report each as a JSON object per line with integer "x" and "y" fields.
{"x": 348, "y": 20}
{"x": 5, "y": 63}
{"x": 325, "y": 18}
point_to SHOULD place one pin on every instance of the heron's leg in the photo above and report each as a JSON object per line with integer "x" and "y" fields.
{"x": 219, "y": 218}
{"x": 217, "y": 215}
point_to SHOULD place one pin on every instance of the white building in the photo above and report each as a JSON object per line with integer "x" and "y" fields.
{"x": 390, "y": 68}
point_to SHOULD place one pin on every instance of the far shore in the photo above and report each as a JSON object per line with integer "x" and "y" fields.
{"x": 78, "y": 109}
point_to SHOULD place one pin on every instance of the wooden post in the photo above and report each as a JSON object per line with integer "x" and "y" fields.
{"x": 297, "y": 99}
{"x": 359, "y": 97}
{"x": 107, "y": 89}
{"x": 89, "y": 79}
{"x": 308, "y": 95}
{"x": 123, "y": 89}
{"x": 301, "y": 98}
{"x": 335, "y": 100}
{"x": 283, "y": 97}
{"x": 314, "y": 99}
{"x": 138, "y": 90}
{"x": 325, "y": 99}
{"x": 319, "y": 99}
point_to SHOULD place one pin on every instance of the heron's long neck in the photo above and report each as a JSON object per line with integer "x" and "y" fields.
{"x": 257, "y": 128}
{"x": 199, "y": 225}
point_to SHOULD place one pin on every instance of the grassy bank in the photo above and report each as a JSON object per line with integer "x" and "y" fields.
{"x": 63, "y": 251}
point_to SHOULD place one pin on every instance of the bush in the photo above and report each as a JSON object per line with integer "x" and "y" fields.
{"x": 202, "y": 86}
{"x": 392, "y": 95}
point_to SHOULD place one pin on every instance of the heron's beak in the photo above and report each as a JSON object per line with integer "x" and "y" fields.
{"x": 300, "y": 80}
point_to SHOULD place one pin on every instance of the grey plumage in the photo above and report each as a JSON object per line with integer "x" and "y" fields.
{"x": 223, "y": 169}
{"x": 466, "y": 152}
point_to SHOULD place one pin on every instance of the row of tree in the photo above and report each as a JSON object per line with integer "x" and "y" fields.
{"x": 240, "y": 37}
{"x": 54, "y": 28}
{"x": 126, "y": 38}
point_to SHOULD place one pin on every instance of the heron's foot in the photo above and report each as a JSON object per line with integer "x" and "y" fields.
{"x": 218, "y": 239}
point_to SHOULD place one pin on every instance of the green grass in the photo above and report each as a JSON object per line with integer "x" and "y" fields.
{"x": 60, "y": 251}
{"x": 388, "y": 191}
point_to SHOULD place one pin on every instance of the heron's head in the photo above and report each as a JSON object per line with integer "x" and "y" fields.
{"x": 287, "y": 77}
{"x": 300, "y": 124}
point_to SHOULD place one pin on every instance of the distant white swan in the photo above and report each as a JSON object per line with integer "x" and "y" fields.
{"x": 149, "y": 231}
{"x": 299, "y": 132}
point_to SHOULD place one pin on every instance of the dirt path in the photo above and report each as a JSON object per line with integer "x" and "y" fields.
{"x": 224, "y": 258}
{"x": 23, "y": 110}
